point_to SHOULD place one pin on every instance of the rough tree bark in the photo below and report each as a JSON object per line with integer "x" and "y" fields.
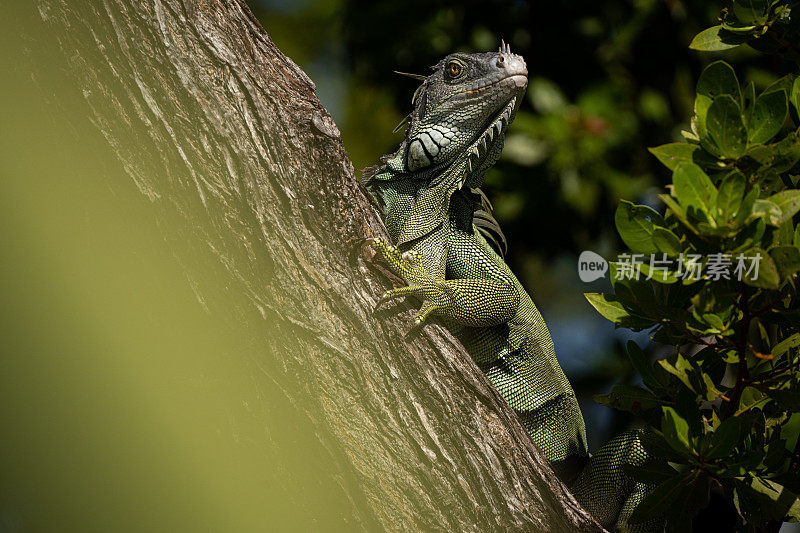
{"x": 246, "y": 171}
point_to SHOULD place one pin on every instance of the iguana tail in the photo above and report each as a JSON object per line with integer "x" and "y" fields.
{"x": 608, "y": 492}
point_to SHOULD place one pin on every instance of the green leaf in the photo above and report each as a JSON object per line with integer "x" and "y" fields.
{"x": 710, "y": 40}
{"x": 752, "y": 235}
{"x": 784, "y": 346}
{"x": 714, "y": 321}
{"x": 672, "y": 154}
{"x": 796, "y": 238}
{"x": 693, "y": 188}
{"x": 768, "y": 211}
{"x": 784, "y": 83}
{"x": 658, "y": 502}
{"x": 768, "y": 277}
{"x": 751, "y": 11}
{"x": 701, "y": 105}
{"x": 717, "y": 79}
{"x": 628, "y": 398}
{"x": 748, "y": 101}
{"x": 750, "y": 398}
{"x": 745, "y": 212}
{"x": 635, "y": 224}
{"x": 654, "y": 471}
{"x": 678, "y": 499}
{"x": 607, "y": 305}
{"x": 778, "y": 157}
{"x": 791, "y": 432}
{"x": 777, "y": 502}
{"x": 788, "y": 399}
{"x": 659, "y": 273}
{"x": 676, "y": 430}
{"x": 680, "y": 370}
{"x": 731, "y": 192}
{"x": 730, "y": 24}
{"x": 677, "y": 210}
{"x": 631, "y": 290}
{"x": 769, "y": 114}
{"x": 775, "y": 457}
{"x": 787, "y": 259}
{"x": 711, "y": 359}
{"x": 785, "y": 233}
{"x": 789, "y": 204}
{"x": 694, "y": 499}
{"x": 727, "y": 436}
{"x": 795, "y": 95}
{"x": 666, "y": 241}
{"x": 725, "y": 127}
{"x": 642, "y": 365}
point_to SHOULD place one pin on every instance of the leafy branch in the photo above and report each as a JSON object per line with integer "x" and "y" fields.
{"x": 726, "y": 410}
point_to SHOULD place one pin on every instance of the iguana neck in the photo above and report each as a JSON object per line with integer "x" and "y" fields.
{"x": 399, "y": 191}
{"x": 455, "y": 133}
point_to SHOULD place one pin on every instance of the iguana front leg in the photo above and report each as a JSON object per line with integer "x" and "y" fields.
{"x": 468, "y": 302}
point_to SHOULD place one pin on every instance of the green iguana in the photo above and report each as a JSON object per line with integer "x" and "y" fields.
{"x": 442, "y": 229}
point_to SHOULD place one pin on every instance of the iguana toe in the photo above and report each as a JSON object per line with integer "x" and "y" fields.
{"x": 399, "y": 292}
{"x": 424, "y": 312}
{"x": 412, "y": 256}
{"x": 391, "y": 255}
{"x": 409, "y": 265}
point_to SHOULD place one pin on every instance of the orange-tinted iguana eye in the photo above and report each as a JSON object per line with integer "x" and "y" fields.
{"x": 454, "y": 69}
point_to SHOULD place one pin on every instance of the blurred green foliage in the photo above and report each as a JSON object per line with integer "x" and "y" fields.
{"x": 724, "y": 405}
{"x": 129, "y": 402}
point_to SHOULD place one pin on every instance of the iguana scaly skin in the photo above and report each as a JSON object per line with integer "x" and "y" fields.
{"x": 442, "y": 228}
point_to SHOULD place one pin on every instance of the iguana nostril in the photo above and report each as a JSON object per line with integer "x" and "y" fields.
{"x": 501, "y": 61}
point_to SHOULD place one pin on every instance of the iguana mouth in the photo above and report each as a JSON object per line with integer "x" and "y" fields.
{"x": 520, "y": 80}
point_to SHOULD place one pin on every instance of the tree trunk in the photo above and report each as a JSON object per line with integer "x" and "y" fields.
{"x": 286, "y": 400}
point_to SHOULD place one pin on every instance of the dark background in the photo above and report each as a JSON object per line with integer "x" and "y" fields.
{"x": 607, "y": 80}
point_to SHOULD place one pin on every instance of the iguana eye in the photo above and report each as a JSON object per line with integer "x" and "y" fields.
{"x": 454, "y": 69}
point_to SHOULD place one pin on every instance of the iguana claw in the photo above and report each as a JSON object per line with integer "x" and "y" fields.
{"x": 409, "y": 266}
{"x": 399, "y": 292}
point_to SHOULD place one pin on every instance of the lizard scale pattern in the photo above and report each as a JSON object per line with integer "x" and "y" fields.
{"x": 448, "y": 249}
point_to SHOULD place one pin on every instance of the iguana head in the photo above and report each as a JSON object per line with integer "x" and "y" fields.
{"x": 456, "y": 132}
{"x": 463, "y": 109}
